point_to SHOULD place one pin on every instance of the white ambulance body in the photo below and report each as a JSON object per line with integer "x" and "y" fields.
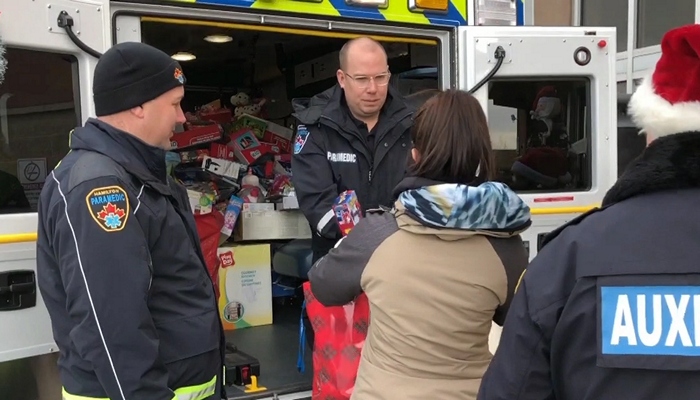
{"x": 48, "y": 84}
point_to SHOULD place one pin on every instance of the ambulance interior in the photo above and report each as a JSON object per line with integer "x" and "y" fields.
{"x": 38, "y": 111}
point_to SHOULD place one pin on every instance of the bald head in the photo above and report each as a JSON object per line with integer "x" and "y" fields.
{"x": 364, "y": 77}
{"x": 359, "y": 45}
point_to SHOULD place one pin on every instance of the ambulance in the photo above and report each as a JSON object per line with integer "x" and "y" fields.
{"x": 549, "y": 94}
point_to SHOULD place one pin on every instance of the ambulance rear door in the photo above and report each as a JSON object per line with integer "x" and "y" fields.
{"x": 46, "y": 92}
{"x": 551, "y": 107}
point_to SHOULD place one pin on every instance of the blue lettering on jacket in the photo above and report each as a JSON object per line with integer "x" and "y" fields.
{"x": 650, "y": 320}
{"x": 109, "y": 198}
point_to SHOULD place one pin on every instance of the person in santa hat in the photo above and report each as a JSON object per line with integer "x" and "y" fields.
{"x": 610, "y": 306}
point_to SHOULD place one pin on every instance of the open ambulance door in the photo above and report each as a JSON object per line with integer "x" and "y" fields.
{"x": 46, "y": 92}
{"x": 551, "y": 108}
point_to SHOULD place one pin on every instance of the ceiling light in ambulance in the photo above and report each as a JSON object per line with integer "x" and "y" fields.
{"x": 183, "y": 56}
{"x": 428, "y": 5}
{"x": 373, "y": 3}
{"x": 218, "y": 38}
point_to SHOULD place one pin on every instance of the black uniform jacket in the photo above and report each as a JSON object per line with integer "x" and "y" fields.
{"x": 121, "y": 271}
{"x": 610, "y": 307}
{"x": 334, "y": 152}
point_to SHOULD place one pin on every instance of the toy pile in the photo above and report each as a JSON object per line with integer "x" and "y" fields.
{"x": 227, "y": 156}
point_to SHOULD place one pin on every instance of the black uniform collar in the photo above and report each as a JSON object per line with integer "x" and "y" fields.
{"x": 136, "y": 156}
{"x": 338, "y": 111}
{"x": 668, "y": 163}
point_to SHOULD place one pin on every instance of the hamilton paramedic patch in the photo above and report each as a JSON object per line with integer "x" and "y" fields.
{"x": 109, "y": 207}
{"x": 302, "y": 136}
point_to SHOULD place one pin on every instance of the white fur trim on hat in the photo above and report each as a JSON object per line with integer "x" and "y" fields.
{"x": 655, "y": 115}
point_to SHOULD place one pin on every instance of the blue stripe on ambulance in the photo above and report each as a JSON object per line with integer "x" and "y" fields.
{"x": 452, "y": 18}
{"x": 348, "y": 11}
{"x": 230, "y": 3}
{"x": 520, "y": 12}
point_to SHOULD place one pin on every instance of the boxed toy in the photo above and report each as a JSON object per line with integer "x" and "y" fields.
{"x": 218, "y": 166}
{"x": 201, "y": 202}
{"x": 347, "y": 211}
{"x": 245, "y": 283}
{"x": 233, "y": 210}
{"x": 251, "y": 154}
{"x": 222, "y": 151}
{"x": 280, "y": 136}
{"x": 250, "y": 123}
{"x": 195, "y": 135}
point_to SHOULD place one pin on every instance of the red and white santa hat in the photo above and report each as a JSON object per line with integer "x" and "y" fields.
{"x": 668, "y": 101}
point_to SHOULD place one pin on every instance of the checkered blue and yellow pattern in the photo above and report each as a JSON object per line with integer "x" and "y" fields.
{"x": 397, "y": 10}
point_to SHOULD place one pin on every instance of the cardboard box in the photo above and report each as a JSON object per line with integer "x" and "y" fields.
{"x": 255, "y": 125}
{"x": 261, "y": 221}
{"x": 218, "y": 166}
{"x": 280, "y": 136}
{"x": 221, "y": 116}
{"x": 245, "y": 286}
{"x": 222, "y": 151}
{"x": 196, "y": 135}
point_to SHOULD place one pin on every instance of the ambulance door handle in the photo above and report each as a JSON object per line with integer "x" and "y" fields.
{"x": 17, "y": 290}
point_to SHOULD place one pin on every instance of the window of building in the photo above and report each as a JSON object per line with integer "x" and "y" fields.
{"x": 38, "y": 109}
{"x": 607, "y": 13}
{"x": 656, "y": 17}
{"x": 541, "y": 134}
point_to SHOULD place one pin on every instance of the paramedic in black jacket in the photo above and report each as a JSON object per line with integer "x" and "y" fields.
{"x": 610, "y": 307}
{"x": 354, "y": 136}
{"x": 119, "y": 263}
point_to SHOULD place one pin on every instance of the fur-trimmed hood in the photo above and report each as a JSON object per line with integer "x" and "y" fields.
{"x": 668, "y": 163}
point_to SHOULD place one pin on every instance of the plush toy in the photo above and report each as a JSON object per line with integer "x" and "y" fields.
{"x": 546, "y": 108}
{"x": 253, "y": 109}
{"x": 240, "y": 99}
{"x": 541, "y": 167}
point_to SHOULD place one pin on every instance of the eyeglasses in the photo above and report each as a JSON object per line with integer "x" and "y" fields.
{"x": 364, "y": 81}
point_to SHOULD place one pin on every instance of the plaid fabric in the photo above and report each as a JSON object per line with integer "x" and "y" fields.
{"x": 340, "y": 333}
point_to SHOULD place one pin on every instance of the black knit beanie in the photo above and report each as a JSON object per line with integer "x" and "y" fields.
{"x": 130, "y": 74}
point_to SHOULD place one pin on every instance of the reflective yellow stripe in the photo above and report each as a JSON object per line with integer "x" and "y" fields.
{"x": 562, "y": 210}
{"x": 18, "y": 238}
{"x": 195, "y": 392}
{"x": 68, "y": 396}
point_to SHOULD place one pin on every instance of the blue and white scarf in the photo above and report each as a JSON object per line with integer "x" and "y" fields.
{"x": 489, "y": 206}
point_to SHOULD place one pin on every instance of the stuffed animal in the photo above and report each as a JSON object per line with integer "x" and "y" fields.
{"x": 240, "y": 99}
{"x": 254, "y": 109}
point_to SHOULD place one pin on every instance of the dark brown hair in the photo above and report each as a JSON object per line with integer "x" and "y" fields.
{"x": 452, "y": 136}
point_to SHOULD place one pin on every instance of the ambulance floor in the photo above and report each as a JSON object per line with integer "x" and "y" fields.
{"x": 276, "y": 347}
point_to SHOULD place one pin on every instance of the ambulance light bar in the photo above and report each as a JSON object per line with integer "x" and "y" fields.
{"x": 495, "y": 12}
{"x": 428, "y": 5}
{"x": 374, "y": 3}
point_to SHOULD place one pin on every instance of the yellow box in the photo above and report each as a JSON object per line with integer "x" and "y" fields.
{"x": 245, "y": 286}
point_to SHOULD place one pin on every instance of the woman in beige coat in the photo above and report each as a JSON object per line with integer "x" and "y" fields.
{"x": 438, "y": 267}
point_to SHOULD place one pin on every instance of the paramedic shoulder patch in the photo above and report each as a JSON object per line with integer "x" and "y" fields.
{"x": 109, "y": 207}
{"x": 302, "y": 136}
{"x": 649, "y": 327}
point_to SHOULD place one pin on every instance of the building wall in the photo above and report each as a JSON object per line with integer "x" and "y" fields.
{"x": 553, "y": 12}
{"x": 640, "y": 26}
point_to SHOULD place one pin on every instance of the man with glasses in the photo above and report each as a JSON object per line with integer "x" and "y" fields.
{"x": 354, "y": 136}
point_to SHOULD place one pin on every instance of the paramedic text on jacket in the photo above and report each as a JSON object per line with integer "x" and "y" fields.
{"x": 353, "y": 136}
{"x": 610, "y": 307}
{"x": 119, "y": 265}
